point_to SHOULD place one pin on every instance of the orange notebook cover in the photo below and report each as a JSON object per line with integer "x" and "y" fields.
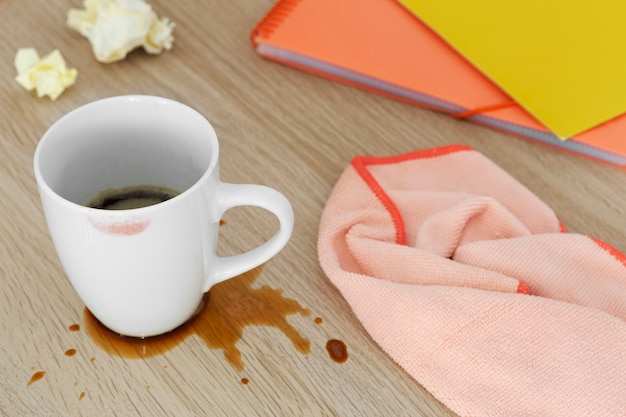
{"x": 379, "y": 46}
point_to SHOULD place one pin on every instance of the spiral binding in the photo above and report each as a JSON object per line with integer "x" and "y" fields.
{"x": 272, "y": 19}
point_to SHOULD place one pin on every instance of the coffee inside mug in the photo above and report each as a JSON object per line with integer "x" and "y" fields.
{"x": 132, "y": 197}
{"x": 132, "y": 148}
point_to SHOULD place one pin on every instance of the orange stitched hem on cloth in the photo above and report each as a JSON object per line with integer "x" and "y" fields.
{"x": 360, "y": 163}
{"x": 523, "y": 288}
{"x": 610, "y": 249}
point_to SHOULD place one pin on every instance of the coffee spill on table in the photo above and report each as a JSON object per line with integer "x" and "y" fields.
{"x": 337, "y": 350}
{"x": 36, "y": 377}
{"x": 229, "y": 307}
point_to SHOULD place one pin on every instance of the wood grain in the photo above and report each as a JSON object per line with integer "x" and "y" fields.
{"x": 277, "y": 126}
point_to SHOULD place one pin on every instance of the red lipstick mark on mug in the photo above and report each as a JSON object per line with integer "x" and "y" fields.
{"x": 120, "y": 228}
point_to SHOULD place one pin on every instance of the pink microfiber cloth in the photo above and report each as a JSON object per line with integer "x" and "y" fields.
{"x": 470, "y": 283}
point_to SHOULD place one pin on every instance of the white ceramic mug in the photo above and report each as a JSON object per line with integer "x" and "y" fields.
{"x": 143, "y": 271}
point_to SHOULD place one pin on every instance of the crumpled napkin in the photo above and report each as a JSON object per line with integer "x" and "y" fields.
{"x": 116, "y": 27}
{"x": 49, "y": 75}
{"x": 436, "y": 252}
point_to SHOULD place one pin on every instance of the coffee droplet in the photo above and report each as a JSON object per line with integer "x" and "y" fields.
{"x": 70, "y": 352}
{"x": 74, "y": 328}
{"x": 337, "y": 350}
{"x": 81, "y": 396}
{"x": 318, "y": 320}
{"x": 245, "y": 381}
{"x": 229, "y": 307}
{"x": 36, "y": 377}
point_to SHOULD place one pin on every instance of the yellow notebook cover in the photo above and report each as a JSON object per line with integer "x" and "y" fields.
{"x": 563, "y": 61}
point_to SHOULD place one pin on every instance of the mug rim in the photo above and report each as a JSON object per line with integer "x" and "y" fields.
{"x": 43, "y": 184}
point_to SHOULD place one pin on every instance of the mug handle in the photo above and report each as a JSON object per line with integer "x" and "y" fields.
{"x": 232, "y": 195}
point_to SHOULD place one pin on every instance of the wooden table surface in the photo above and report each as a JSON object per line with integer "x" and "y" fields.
{"x": 277, "y": 126}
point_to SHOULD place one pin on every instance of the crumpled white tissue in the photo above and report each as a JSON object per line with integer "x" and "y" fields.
{"x": 48, "y": 75}
{"x": 116, "y": 27}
